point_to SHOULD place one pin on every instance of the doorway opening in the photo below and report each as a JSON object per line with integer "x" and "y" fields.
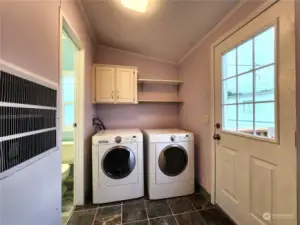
{"x": 68, "y": 125}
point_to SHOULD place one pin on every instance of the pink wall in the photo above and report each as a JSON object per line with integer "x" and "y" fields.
{"x": 154, "y": 115}
{"x": 196, "y": 91}
{"x": 29, "y": 38}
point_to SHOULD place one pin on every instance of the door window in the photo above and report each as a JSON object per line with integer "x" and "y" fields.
{"x": 173, "y": 160}
{"x": 119, "y": 162}
{"x": 248, "y": 86}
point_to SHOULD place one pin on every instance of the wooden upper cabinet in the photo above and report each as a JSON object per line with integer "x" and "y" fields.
{"x": 114, "y": 84}
{"x": 104, "y": 84}
{"x": 126, "y": 85}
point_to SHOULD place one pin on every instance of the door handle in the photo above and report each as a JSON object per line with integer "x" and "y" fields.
{"x": 217, "y": 137}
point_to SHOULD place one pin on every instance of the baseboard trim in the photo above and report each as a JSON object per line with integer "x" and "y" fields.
{"x": 200, "y": 189}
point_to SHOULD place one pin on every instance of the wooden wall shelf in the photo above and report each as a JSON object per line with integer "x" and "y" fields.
{"x": 158, "y": 81}
{"x": 159, "y": 101}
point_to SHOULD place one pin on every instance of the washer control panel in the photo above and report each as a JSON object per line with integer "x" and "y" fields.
{"x": 118, "y": 137}
{"x": 125, "y": 139}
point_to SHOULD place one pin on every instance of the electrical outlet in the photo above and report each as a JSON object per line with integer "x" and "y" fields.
{"x": 205, "y": 119}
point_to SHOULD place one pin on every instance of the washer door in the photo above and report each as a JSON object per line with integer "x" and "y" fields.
{"x": 118, "y": 162}
{"x": 173, "y": 160}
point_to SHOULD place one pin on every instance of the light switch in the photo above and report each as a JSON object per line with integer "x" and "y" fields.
{"x": 205, "y": 119}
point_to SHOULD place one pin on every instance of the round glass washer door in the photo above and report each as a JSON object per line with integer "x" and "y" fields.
{"x": 118, "y": 162}
{"x": 173, "y": 160}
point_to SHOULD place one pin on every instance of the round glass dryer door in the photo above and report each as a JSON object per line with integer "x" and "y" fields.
{"x": 173, "y": 160}
{"x": 118, "y": 162}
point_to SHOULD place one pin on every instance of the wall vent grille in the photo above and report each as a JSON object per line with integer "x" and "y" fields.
{"x": 27, "y": 120}
{"x": 21, "y": 120}
{"x": 14, "y": 89}
{"x": 19, "y": 150}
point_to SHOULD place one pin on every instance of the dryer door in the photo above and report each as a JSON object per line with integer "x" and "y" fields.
{"x": 118, "y": 162}
{"x": 173, "y": 160}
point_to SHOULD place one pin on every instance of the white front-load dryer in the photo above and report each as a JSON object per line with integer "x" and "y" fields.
{"x": 170, "y": 163}
{"x": 118, "y": 168}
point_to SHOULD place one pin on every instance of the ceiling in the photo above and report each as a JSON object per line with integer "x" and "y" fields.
{"x": 167, "y": 31}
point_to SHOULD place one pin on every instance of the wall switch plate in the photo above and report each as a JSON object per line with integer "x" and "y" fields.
{"x": 205, "y": 119}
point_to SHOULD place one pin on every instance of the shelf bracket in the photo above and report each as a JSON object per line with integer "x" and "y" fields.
{"x": 178, "y": 88}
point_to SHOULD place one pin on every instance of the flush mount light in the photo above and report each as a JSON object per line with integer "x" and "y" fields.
{"x": 136, "y": 5}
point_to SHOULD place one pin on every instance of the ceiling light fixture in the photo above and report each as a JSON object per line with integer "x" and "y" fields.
{"x": 136, "y": 5}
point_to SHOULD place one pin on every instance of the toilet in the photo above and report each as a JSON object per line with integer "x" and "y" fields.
{"x": 65, "y": 170}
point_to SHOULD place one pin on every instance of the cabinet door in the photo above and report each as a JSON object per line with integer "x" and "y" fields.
{"x": 104, "y": 84}
{"x": 126, "y": 85}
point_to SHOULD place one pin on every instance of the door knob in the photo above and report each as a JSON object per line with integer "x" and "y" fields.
{"x": 217, "y": 137}
{"x": 218, "y": 125}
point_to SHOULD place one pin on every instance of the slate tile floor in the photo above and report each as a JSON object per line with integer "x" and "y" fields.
{"x": 189, "y": 210}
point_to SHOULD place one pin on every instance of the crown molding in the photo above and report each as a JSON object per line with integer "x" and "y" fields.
{"x": 219, "y": 24}
{"x": 138, "y": 54}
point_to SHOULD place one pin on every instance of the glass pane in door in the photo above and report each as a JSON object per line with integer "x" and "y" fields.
{"x": 245, "y": 57}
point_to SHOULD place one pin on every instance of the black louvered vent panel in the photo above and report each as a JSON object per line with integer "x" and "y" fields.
{"x": 25, "y": 107}
{"x": 16, "y": 151}
{"x": 14, "y": 89}
{"x": 21, "y": 120}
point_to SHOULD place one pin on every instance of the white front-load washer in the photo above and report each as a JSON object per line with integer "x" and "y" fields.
{"x": 170, "y": 163}
{"x": 118, "y": 168}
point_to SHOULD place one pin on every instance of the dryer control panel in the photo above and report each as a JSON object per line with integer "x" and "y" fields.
{"x": 171, "y": 138}
{"x": 179, "y": 138}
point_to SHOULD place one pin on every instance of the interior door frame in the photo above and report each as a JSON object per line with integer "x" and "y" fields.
{"x": 242, "y": 23}
{"x": 79, "y": 188}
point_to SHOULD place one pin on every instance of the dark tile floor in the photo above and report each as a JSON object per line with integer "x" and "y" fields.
{"x": 189, "y": 210}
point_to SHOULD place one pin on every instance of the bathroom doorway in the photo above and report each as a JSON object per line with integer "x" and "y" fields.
{"x": 68, "y": 124}
{"x": 71, "y": 119}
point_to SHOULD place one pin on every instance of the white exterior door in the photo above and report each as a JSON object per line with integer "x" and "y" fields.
{"x": 254, "y": 84}
{"x": 104, "y": 84}
{"x": 126, "y": 85}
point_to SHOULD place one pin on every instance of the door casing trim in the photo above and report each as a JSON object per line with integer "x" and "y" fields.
{"x": 79, "y": 179}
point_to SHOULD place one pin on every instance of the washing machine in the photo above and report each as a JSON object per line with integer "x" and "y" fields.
{"x": 169, "y": 160}
{"x": 117, "y": 161}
